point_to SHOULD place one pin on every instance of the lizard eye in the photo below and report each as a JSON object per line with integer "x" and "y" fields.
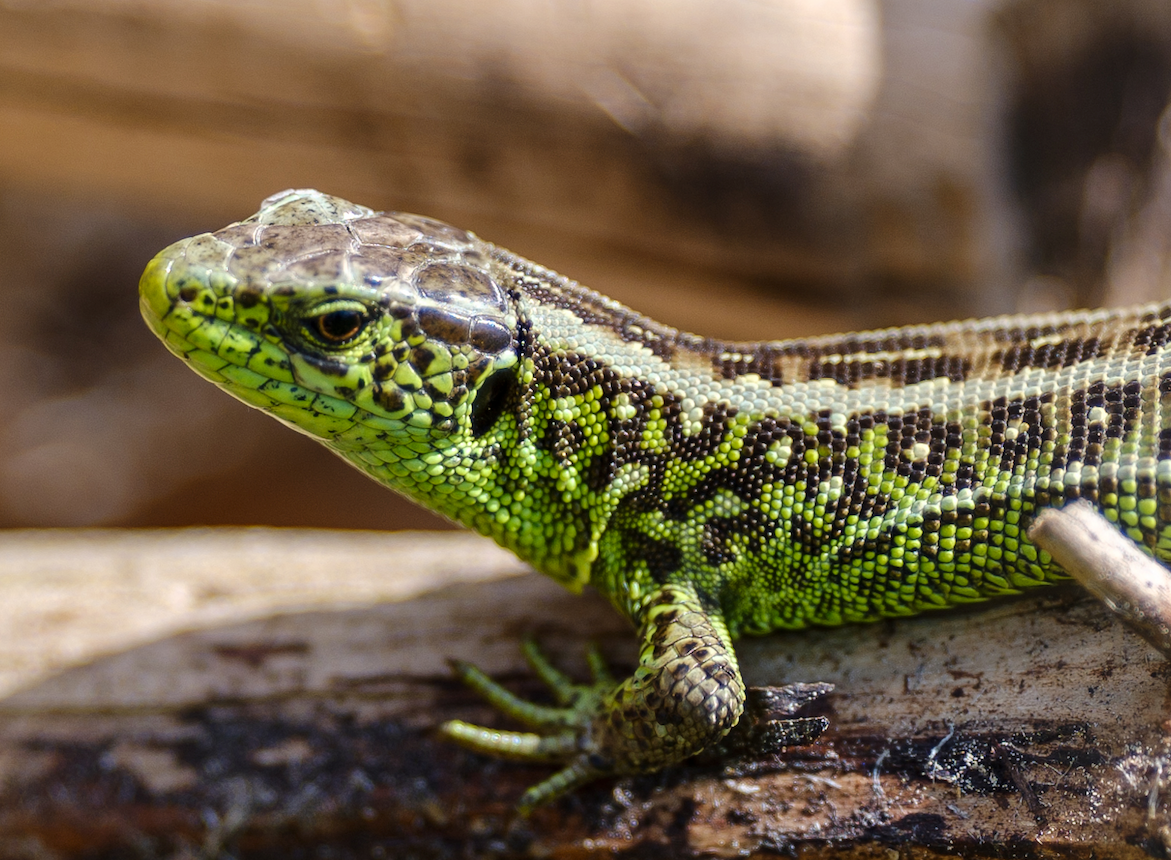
{"x": 339, "y": 325}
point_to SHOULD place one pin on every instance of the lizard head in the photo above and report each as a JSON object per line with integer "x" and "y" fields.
{"x": 348, "y": 324}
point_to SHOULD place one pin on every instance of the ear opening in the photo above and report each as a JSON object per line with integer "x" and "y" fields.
{"x": 491, "y": 399}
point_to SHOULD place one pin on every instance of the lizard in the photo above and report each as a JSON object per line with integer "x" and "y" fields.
{"x": 708, "y": 489}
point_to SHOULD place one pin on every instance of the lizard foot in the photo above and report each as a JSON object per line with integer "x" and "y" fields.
{"x": 558, "y": 730}
{"x": 685, "y": 695}
{"x": 769, "y": 725}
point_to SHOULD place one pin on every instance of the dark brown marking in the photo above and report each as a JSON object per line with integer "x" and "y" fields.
{"x": 762, "y": 362}
{"x": 422, "y": 356}
{"x": 903, "y": 371}
{"x": 247, "y": 297}
{"x": 1151, "y": 339}
{"x": 1050, "y": 356}
{"x": 328, "y": 366}
{"x": 489, "y": 335}
{"x": 860, "y": 344}
{"x": 389, "y": 398}
{"x": 444, "y": 324}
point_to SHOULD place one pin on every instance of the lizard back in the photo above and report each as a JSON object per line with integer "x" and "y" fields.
{"x": 849, "y": 477}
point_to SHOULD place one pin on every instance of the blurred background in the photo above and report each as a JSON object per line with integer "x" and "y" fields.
{"x": 759, "y": 169}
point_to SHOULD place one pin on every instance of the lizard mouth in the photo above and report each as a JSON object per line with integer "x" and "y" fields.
{"x": 180, "y": 310}
{"x": 224, "y": 334}
{"x": 206, "y": 324}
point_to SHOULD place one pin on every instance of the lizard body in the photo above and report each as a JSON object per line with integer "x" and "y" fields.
{"x": 708, "y": 489}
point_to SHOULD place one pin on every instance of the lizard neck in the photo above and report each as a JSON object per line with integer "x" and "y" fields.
{"x": 503, "y": 485}
{"x": 583, "y": 429}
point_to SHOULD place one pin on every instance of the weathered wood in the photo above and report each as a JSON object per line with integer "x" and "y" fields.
{"x": 237, "y": 724}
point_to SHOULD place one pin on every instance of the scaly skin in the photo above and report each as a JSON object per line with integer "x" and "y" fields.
{"x": 708, "y": 489}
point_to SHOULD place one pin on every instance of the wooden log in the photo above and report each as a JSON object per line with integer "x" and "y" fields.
{"x": 274, "y": 693}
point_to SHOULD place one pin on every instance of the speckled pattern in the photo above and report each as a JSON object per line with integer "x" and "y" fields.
{"x": 751, "y": 486}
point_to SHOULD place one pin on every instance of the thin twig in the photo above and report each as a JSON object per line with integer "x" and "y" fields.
{"x": 1111, "y": 566}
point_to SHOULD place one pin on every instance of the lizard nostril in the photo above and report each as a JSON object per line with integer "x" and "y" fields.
{"x": 188, "y": 293}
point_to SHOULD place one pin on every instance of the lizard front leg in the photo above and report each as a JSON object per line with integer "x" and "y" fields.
{"x": 685, "y": 695}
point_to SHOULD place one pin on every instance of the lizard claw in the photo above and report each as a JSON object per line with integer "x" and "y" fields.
{"x": 561, "y": 731}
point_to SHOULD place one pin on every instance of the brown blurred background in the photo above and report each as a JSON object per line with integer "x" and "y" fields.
{"x": 745, "y": 169}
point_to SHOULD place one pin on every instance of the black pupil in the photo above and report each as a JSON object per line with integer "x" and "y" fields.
{"x": 339, "y": 325}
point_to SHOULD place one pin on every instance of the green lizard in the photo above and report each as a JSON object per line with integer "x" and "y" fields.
{"x": 708, "y": 489}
